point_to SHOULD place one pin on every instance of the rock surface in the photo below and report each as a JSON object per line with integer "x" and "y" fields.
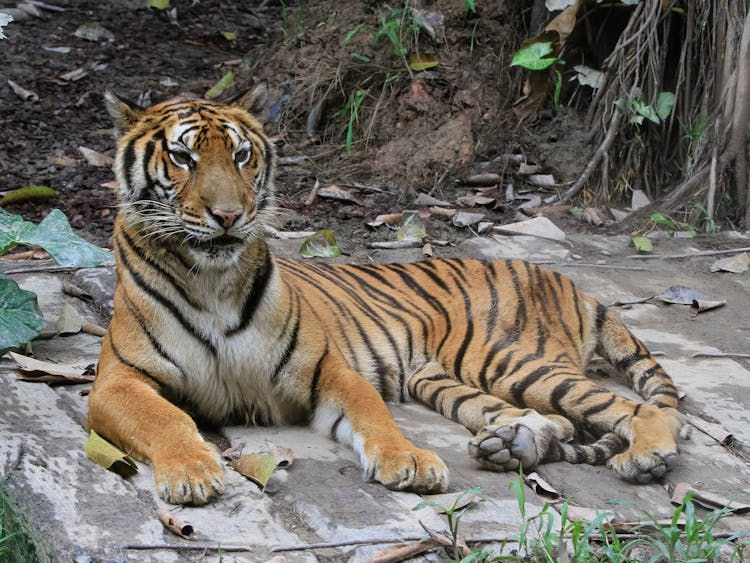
{"x": 73, "y": 509}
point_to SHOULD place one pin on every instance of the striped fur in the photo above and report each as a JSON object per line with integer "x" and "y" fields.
{"x": 207, "y": 319}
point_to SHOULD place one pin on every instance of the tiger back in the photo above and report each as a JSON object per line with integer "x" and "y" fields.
{"x": 208, "y": 321}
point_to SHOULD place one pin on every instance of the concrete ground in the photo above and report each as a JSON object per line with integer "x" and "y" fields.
{"x": 74, "y": 510}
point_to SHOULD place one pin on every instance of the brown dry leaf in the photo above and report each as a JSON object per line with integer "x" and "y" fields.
{"x": 473, "y": 200}
{"x": 542, "y": 179}
{"x": 483, "y": 179}
{"x": 702, "y": 305}
{"x": 712, "y": 429}
{"x": 466, "y": 219}
{"x": 235, "y": 452}
{"x": 40, "y": 371}
{"x": 624, "y": 300}
{"x": 565, "y": 21}
{"x": 283, "y": 456}
{"x": 737, "y": 264}
{"x": 256, "y": 467}
{"x": 95, "y": 158}
{"x": 442, "y": 211}
{"x": 340, "y": 194}
{"x": 527, "y": 169}
{"x": 427, "y": 251}
{"x": 403, "y": 551}
{"x": 391, "y": 244}
{"x": 422, "y": 61}
{"x": 23, "y": 93}
{"x": 386, "y": 219}
{"x": 541, "y": 487}
{"x": 174, "y": 524}
{"x": 707, "y": 499}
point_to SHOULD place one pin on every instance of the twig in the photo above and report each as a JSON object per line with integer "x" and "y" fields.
{"x": 606, "y": 266}
{"x": 720, "y": 355}
{"x": 376, "y": 541}
{"x": 190, "y": 547}
{"x": 313, "y": 193}
{"x": 690, "y": 255}
{"x": 607, "y": 143}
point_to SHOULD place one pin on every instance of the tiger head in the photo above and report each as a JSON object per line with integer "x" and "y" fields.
{"x": 195, "y": 175}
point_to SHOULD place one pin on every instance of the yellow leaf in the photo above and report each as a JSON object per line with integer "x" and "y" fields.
{"x": 108, "y": 456}
{"x": 422, "y": 61}
{"x": 256, "y": 467}
{"x": 224, "y": 82}
{"x": 28, "y": 193}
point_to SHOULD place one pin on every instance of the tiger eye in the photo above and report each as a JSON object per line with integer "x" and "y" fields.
{"x": 182, "y": 159}
{"x": 242, "y": 156}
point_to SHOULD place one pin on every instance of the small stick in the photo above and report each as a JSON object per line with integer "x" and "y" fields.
{"x": 313, "y": 194}
{"x": 691, "y": 255}
{"x": 91, "y": 328}
{"x": 720, "y": 355}
{"x": 606, "y": 266}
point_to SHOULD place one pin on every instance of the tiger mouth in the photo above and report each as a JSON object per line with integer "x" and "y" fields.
{"x": 223, "y": 242}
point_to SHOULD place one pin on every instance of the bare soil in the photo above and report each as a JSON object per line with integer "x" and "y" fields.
{"x": 414, "y": 132}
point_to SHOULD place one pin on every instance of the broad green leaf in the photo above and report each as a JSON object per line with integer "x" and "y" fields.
{"x": 20, "y": 318}
{"x": 646, "y": 111}
{"x": 55, "y": 235}
{"x": 13, "y": 229}
{"x": 643, "y": 244}
{"x": 532, "y": 56}
{"x": 256, "y": 467}
{"x": 224, "y": 82}
{"x": 158, "y": 4}
{"x": 28, "y": 193}
{"x": 108, "y": 456}
{"x": 320, "y": 245}
{"x": 662, "y": 220}
{"x": 664, "y": 104}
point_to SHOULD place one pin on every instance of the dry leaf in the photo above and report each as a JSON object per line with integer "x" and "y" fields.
{"x": 538, "y": 227}
{"x": 95, "y": 158}
{"x": 74, "y": 75}
{"x": 38, "y": 370}
{"x": 283, "y": 456}
{"x": 736, "y": 264}
{"x": 340, "y": 194}
{"x": 484, "y": 179}
{"x": 541, "y": 487}
{"x": 256, "y": 467}
{"x": 175, "y": 525}
{"x": 474, "y": 200}
{"x": 639, "y": 200}
{"x": 108, "y": 456}
{"x": 403, "y": 551}
{"x": 23, "y": 93}
{"x": 542, "y": 179}
{"x": 391, "y": 244}
{"x": 69, "y": 321}
{"x": 702, "y": 305}
{"x": 527, "y": 169}
{"x": 427, "y": 251}
{"x": 442, "y": 211}
{"x": 622, "y": 300}
{"x": 235, "y": 452}
{"x": 707, "y": 499}
{"x": 386, "y": 219}
{"x": 466, "y": 219}
{"x": 712, "y": 429}
{"x": 484, "y": 226}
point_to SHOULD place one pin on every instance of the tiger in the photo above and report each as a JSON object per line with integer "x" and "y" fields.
{"x": 210, "y": 326}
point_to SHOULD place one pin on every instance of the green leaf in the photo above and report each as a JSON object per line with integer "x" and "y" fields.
{"x": 532, "y": 56}
{"x": 55, "y": 235}
{"x": 228, "y": 35}
{"x": 662, "y": 220}
{"x": 20, "y": 318}
{"x": 646, "y": 111}
{"x": 13, "y": 229}
{"x": 320, "y": 245}
{"x": 352, "y": 33}
{"x": 158, "y": 4}
{"x": 256, "y": 467}
{"x": 643, "y": 244}
{"x": 361, "y": 57}
{"x": 224, "y": 82}
{"x": 108, "y": 456}
{"x": 28, "y": 193}
{"x": 426, "y": 503}
{"x": 664, "y": 104}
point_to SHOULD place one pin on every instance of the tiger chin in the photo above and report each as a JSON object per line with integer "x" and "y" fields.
{"x": 206, "y": 316}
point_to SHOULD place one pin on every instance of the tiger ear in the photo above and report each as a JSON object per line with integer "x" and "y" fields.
{"x": 255, "y": 99}
{"x": 124, "y": 113}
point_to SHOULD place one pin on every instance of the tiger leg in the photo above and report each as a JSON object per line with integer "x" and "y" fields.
{"x": 650, "y": 431}
{"x": 125, "y": 408}
{"x": 349, "y": 409}
{"x": 505, "y": 436}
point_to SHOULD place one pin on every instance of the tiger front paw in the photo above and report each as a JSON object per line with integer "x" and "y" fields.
{"x": 193, "y": 476}
{"x": 411, "y": 468}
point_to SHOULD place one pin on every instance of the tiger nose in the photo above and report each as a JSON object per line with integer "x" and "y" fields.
{"x": 225, "y": 218}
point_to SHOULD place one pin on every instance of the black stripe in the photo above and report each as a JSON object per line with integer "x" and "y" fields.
{"x": 254, "y": 295}
{"x": 291, "y": 345}
{"x": 315, "y": 379}
{"x": 468, "y": 335}
{"x": 460, "y": 401}
{"x": 518, "y": 388}
{"x": 166, "y": 303}
{"x": 601, "y": 316}
{"x": 589, "y": 412}
{"x": 128, "y": 158}
{"x": 335, "y": 427}
{"x": 492, "y": 311}
{"x": 432, "y": 399}
{"x": 145, "y": 373}
{"x": 559, "y": 393}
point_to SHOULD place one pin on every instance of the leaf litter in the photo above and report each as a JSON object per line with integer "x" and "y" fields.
{"x": 108, "y": 456}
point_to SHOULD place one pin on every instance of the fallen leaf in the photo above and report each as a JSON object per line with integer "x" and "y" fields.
{"x": 540, "y": 486}
{"x": 592, "y": 216}
{"x": 642, "y": 244}
{"x": 639, "y": 200}
{"x": 473, "y": 200}
{"x": 484, "y": 226}
{"x": 74, "y": 75}
{"x": 618, "y": 214}
{"x": 23, "y": 93}
{"x": 391, "y": 244}
{"x": 386, "y": 219}
{"x": 542, "y": 179}
{"x": 736, "y": 264}
{"x": 283, "y": 456}
{"x": 422, "y": 61}
{"x": 538, "y": 227}
{"x": 108, "y": 456}
{"x": 702, "y": 305}
{"x": 235, "y": 452}
{"x": 95, "y": 158}
{"x": 340, "y": 194}
{"x": 38, "y": 370}
{"x": 256, "y": 467}
{"x": 403, "y": 551}
{"x": 679, "y": 295}
{"x": 427, "y": 251}
{"x": 629, "y": 300}
{"x": 527, "y": 169}
{"x": 413, "y": 228}
{"x": 174, "y": 524}
{"x": 69, "y": 321}
{"x": 712, "y": 429}
{"x": 224, "y": 82}
{"x": 290, "y": 235}
{"x": 532, "y": 202}
{"x": 588, "y": 76}
{"x": 229, "y": 35}
{"x": 320, "y": 245}
{"x": 707, "y": 499}
{"x": 424, "y": 199}
{"x": 158, "y": 4}
{"x": 466, "y": 219}
{"x": 93, "y": 31}
{"x": 28, "y": 193}
{"x": 442, "y": 211}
